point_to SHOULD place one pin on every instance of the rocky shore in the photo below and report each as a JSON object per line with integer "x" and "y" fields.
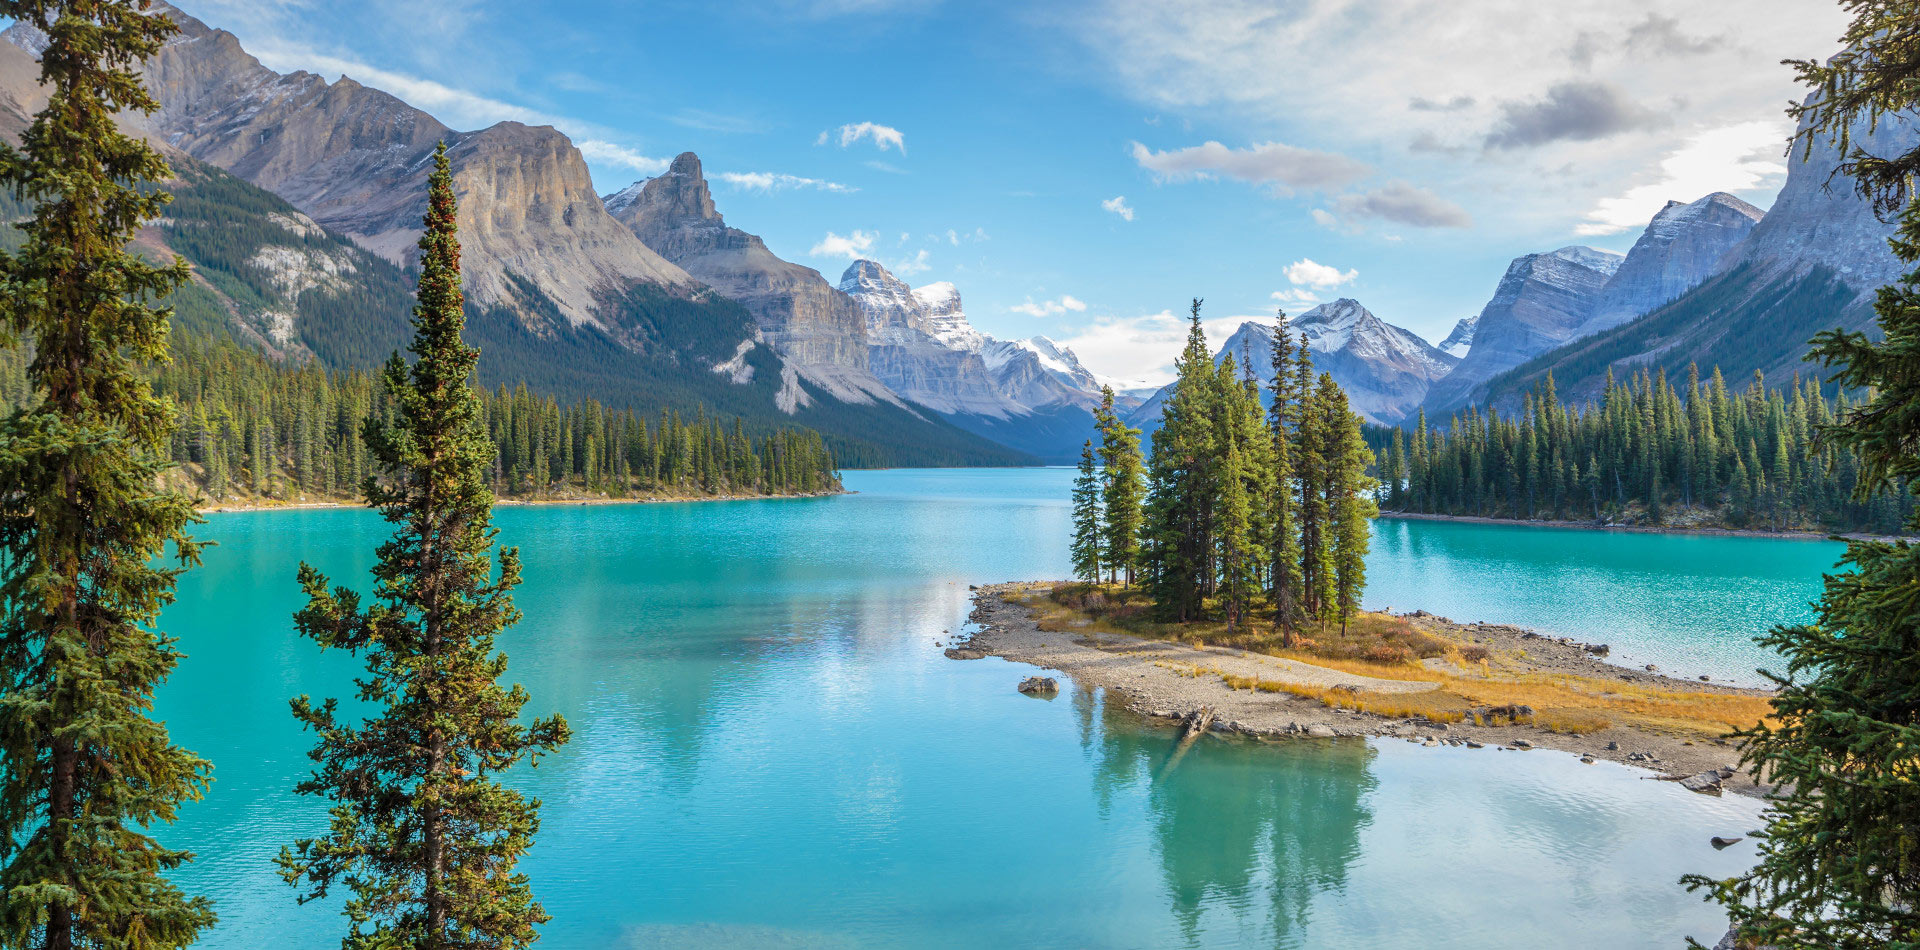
{"x": 1157, "y": 678}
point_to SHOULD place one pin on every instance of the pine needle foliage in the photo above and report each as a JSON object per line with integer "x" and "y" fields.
{"x": 85, "y": 771}
{"x": 1840, "y": 858}
{"x": 422, "y": 832}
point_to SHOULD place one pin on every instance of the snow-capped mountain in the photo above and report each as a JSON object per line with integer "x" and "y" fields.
{"x": 1032, "y": 394}
{"x": 1385, "y": 369}
{"x": 1681, "y": 247}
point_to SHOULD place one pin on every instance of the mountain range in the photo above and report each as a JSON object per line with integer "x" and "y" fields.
{"x": 298, "y": 201}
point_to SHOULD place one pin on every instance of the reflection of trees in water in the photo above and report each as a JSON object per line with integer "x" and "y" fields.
{"x": 1235, "y": 817}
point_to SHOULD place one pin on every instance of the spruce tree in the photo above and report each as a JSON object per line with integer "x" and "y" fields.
{"x": 1087, "y": 528}
{"x": 1310, "y": 479}
{"x": 1239, "y": 579}
{"x": 1350, "y": 501}
{"x": 1840, "y": 858}
{"x": 423, "y": 834}
{"x": 1121, "y": 490}
{"x": 1181, "y": 483}
{"x": 1283, "y": 578}
{"x": 85, "y": 771}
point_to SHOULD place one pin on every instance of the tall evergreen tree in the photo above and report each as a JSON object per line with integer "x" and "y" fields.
{"x": 423, "y": 833}
{"x": 85, "y": 771}
{"x": 1349, "y": 500}
{"x": 1283, "y": 578}
{"x": 1122, "y": 490}
{"x": 1310, "y": 479}
{"x": 1840, "y": 859}
{"x": 1181, "y": 483}
{"x": 1088, "y": 540}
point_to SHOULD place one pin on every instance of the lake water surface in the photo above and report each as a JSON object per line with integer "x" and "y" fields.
{"x": 770, "y": 750}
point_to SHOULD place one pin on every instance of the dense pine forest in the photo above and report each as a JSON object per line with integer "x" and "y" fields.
{"x": 1249, "y": 510}
{"x": 256, "y": 431}
{"x": 1647, "y": 453}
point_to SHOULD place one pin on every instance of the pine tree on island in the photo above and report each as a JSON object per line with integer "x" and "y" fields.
{"x": 1251, "y": 511}
{"x": 85, "y": 771}
{"x": 1121, "y": 491}
{"x": 1088, "y": 531}
{"x": 423, "y": 833}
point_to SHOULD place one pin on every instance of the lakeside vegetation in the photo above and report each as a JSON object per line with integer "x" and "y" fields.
{"x": 1648, "y": 453}
{"x": 254, "y": 431}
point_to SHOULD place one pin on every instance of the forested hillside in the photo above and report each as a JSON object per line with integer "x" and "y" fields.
{"x": 252, "y": 431}
{"x": 1744, "y": 321}
{"x": 1646, "y": 452}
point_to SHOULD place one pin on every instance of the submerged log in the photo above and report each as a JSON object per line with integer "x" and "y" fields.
{"x": 1198, "y": 722}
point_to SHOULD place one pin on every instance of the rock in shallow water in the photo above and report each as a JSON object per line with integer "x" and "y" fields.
{"x": 1039, "y": 686}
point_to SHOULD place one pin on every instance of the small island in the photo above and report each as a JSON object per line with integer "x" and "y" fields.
{"x": 1413, "y": 676}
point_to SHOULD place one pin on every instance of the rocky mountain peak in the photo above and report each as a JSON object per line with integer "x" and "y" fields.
{"x": 1821, "y": 222}
{"x": 1681, "y": 247}
{"x": 678, "y": 198}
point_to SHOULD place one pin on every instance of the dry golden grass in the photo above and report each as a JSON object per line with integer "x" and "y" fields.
{"x": 1386, "y": 647}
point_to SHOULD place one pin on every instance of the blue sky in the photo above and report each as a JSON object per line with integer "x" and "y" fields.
{"x": 1081, "y": 169}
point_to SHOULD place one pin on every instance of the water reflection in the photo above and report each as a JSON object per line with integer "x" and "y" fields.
{"x": 1249, "y": 835}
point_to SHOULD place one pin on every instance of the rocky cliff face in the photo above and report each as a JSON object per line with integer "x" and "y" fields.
{"x": 1681, "y": 247}
{"x": 1812, "y": 263}
{"x": 1539, "y": 304}
{"x": 922, "y": 347}
{"x": 353, "y": 159}
{"x": 1818, "y": 221}
{"x": 800, "y": 315}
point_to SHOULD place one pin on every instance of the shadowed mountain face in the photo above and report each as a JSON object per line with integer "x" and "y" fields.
{"x": 1812, "y": 263}
{"x": 353, "y": 159}
{"x": 1539, "y": 304}
{"x": 799, "y": 314}
{"x": 1680, "y": 248}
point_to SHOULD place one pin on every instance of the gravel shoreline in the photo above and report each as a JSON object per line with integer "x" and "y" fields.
{"x": 1154, "y": 678}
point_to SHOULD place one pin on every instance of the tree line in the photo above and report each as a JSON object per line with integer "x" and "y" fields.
{"x": 1646, "y": 451}
{"x": 251, "y": 428}
{"x": 1246, "y": 509}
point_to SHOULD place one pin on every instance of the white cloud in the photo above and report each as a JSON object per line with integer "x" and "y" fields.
{"x": 777, "y": 181}
{"x": 917, "y": 264}
{"x": 1138, "y": 351}
{"x": 1296, "y": 296}
{"x": 1310, "y": 273}
{"x": 855, "y": 245}
{"x": 607, "y": 153}
{"x": 1118, "y": 205}
{"x": 1706, "y": 65}
{"x": 882, "y": 136}
{"x": 1051, "y": 308}
{"x": 1732, "y": 158}
{"x": 1282, "y": 166}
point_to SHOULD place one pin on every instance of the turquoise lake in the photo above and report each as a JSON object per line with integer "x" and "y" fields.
{"x": 771, "y": 751}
